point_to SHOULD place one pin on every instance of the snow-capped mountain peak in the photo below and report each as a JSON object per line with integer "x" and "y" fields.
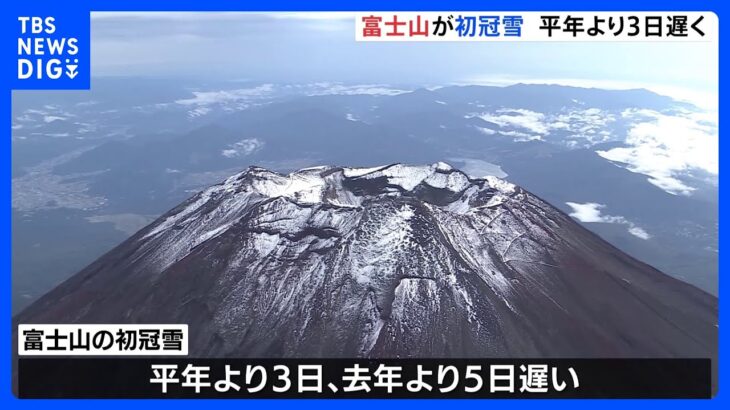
{"x": 398, "y": 260}
{"x": 334, "y": 185}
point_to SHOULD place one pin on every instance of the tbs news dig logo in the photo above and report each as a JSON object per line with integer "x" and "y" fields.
{"x": 42, "y": 53}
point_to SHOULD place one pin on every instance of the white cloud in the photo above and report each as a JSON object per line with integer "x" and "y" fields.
{"x": 206, "y": 98}
{"x": 486, "y": 131}
{"x": 664, "y": 147}
{"x": 198, "y": 112}
{"x": 590, "y": 212}
{"x": 639, "y": 233}
{"x": 243, "y": 148}
{"x": 521, "y": 136}
{"x": 525, "y": 119}
{"x": 325, "y": 88}
{"x": 588, "y": 125}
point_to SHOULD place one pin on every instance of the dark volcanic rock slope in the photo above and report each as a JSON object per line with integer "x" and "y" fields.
{"x": 393, "y": 261}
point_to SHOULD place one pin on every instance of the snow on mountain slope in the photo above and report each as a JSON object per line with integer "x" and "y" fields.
{"x": 392, "y": 261}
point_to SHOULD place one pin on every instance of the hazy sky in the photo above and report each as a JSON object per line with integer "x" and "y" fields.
{"x": 304, "y": 47}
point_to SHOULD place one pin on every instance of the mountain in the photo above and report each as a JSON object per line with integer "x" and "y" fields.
{"x": 399, "y": 260}
{"x": 109, "y": 156}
